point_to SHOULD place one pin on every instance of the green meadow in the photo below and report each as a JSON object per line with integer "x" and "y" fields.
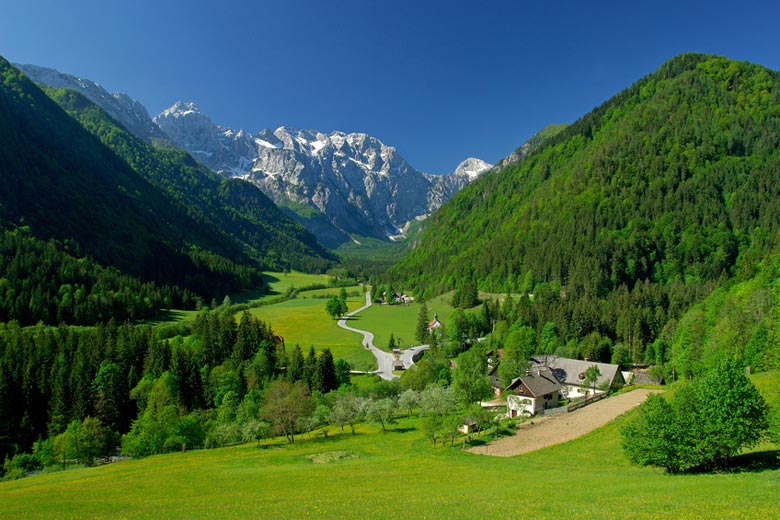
{"x": 305, "y": 322}
{"x": 400, "y": 320}
{"x": 279, "y": 283}
{"x": 397, "y": 474}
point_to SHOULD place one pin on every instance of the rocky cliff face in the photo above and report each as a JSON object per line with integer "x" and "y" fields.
{"x": 359, "y": 184}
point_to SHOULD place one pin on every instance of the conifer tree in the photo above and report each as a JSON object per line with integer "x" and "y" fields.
{"x": 421, "y": 334}
{"x": 295, "y": 365}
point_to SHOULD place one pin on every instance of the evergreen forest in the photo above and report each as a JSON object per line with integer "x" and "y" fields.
{"x": 609, "y": 232}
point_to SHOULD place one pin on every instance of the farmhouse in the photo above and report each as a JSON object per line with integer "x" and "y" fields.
{"x": 536, "y": 391}
{"x": 571, "y": 374}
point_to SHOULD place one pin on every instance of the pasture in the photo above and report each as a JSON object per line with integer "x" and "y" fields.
{"x": 305, "y": 322}
{"x": 397, "y": 474}
{"x": 400, "y": 320}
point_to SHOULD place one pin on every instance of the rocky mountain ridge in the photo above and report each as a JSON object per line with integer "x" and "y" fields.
{"x": 361, "y": 186}
{"x": 341, "y": 186}
{"x": 131, "y": 113}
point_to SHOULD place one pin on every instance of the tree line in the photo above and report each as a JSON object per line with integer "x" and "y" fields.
{"x": 53, "y": 376}
{"x": 42, "y": 282}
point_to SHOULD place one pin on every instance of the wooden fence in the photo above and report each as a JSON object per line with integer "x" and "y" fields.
{"x": 586, "y": 402}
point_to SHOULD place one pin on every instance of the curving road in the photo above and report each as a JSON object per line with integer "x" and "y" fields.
{"x": 384, "y": 360}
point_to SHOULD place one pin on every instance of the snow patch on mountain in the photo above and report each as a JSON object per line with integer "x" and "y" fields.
{"x": 361, "y": 186}
{"x": 472, "y": 168}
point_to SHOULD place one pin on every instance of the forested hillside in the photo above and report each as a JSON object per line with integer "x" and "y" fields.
{"x": 126, "y": 215}
{"x": 233, "y": 207}
{"x": 626, "y": 218}
{"x": 61, "y": 183}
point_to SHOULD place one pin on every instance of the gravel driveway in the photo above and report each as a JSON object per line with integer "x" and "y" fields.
{"x": 547, "y": 431}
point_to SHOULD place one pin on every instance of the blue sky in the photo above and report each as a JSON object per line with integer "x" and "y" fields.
{"x": 440, "y": 81}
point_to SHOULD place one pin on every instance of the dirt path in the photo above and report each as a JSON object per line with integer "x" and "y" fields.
{"x": 548, "y": 431}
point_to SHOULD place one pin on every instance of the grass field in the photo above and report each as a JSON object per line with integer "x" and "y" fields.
{"x": 279, "y": 284}
{"x": 400, "y": 320}
{"x": 392, "y": 475}
{"x": 304, "y": 321}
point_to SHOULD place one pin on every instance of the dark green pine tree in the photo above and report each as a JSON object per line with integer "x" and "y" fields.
{"x": 309, "y": 368}
{"x": 421, "y": 334}
{"x": 58, "y": 403}
{"x": 295, "y": 365}
{"x": 108, "y": 389}
{"x": 343, "y": 373}
{"x": 247, "y": 338}
{"x": 158, "y": 358}
{"x": 325, "y": 373}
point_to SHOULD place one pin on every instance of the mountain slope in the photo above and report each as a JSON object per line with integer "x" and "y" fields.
{"x": 230, "y": 207}
{"x": 132, "y": 114}
{"x": 360, "y": 185}
{"x": 61, "y": 183}
{"x": 629, "y": 215}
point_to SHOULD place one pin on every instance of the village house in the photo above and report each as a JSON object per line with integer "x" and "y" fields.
{"x": 571, "y": 374}
{"x": 641, "y": 376}
{"x": 532, "y": 393}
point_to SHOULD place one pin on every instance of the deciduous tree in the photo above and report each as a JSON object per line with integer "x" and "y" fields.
{"x": 284, "y": 405}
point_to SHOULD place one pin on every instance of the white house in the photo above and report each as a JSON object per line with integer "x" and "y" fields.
{"x": 536, "y": 391}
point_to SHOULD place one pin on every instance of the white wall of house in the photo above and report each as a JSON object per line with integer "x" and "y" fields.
{"x": 518, "y": 405}
{"x": 574, "y": 391}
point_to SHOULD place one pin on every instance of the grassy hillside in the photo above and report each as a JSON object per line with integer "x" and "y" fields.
{"x": 625, "y": 218}
{"x": 392, "y": 475}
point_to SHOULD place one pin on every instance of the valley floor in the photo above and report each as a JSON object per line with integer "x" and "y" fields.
{"x": 548, "y": 431}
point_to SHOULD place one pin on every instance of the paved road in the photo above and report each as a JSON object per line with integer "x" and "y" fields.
{"x": 384, "y": 360}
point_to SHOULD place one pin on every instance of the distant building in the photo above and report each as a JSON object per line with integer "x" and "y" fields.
{"x": 641, "y": 376}
{"x": 435, "y": 323}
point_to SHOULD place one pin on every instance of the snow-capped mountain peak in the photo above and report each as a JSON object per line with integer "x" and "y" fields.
{"x": 180, "y": 109}
{"x": 360, "y": 185}
{"x": 472, "y": 168}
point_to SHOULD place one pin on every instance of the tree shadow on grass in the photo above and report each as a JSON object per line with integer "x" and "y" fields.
{"x": 401, "y": 430}
{"x": 474, "y": 442}
{"x": 755, "y": 462}
{"x": 746, "y": 463}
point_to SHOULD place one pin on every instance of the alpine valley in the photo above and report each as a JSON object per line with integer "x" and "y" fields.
{"x": 340, "y": 186}
{"x": 169, "y": 286}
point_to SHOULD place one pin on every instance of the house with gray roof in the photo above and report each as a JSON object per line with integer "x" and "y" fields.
{"x": 537, "y": 390}
{"x": 571, "y": 374}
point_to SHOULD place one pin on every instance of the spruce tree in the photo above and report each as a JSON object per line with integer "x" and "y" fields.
{"x": 421, "y": 334}
{"x": 325, "y": 374}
